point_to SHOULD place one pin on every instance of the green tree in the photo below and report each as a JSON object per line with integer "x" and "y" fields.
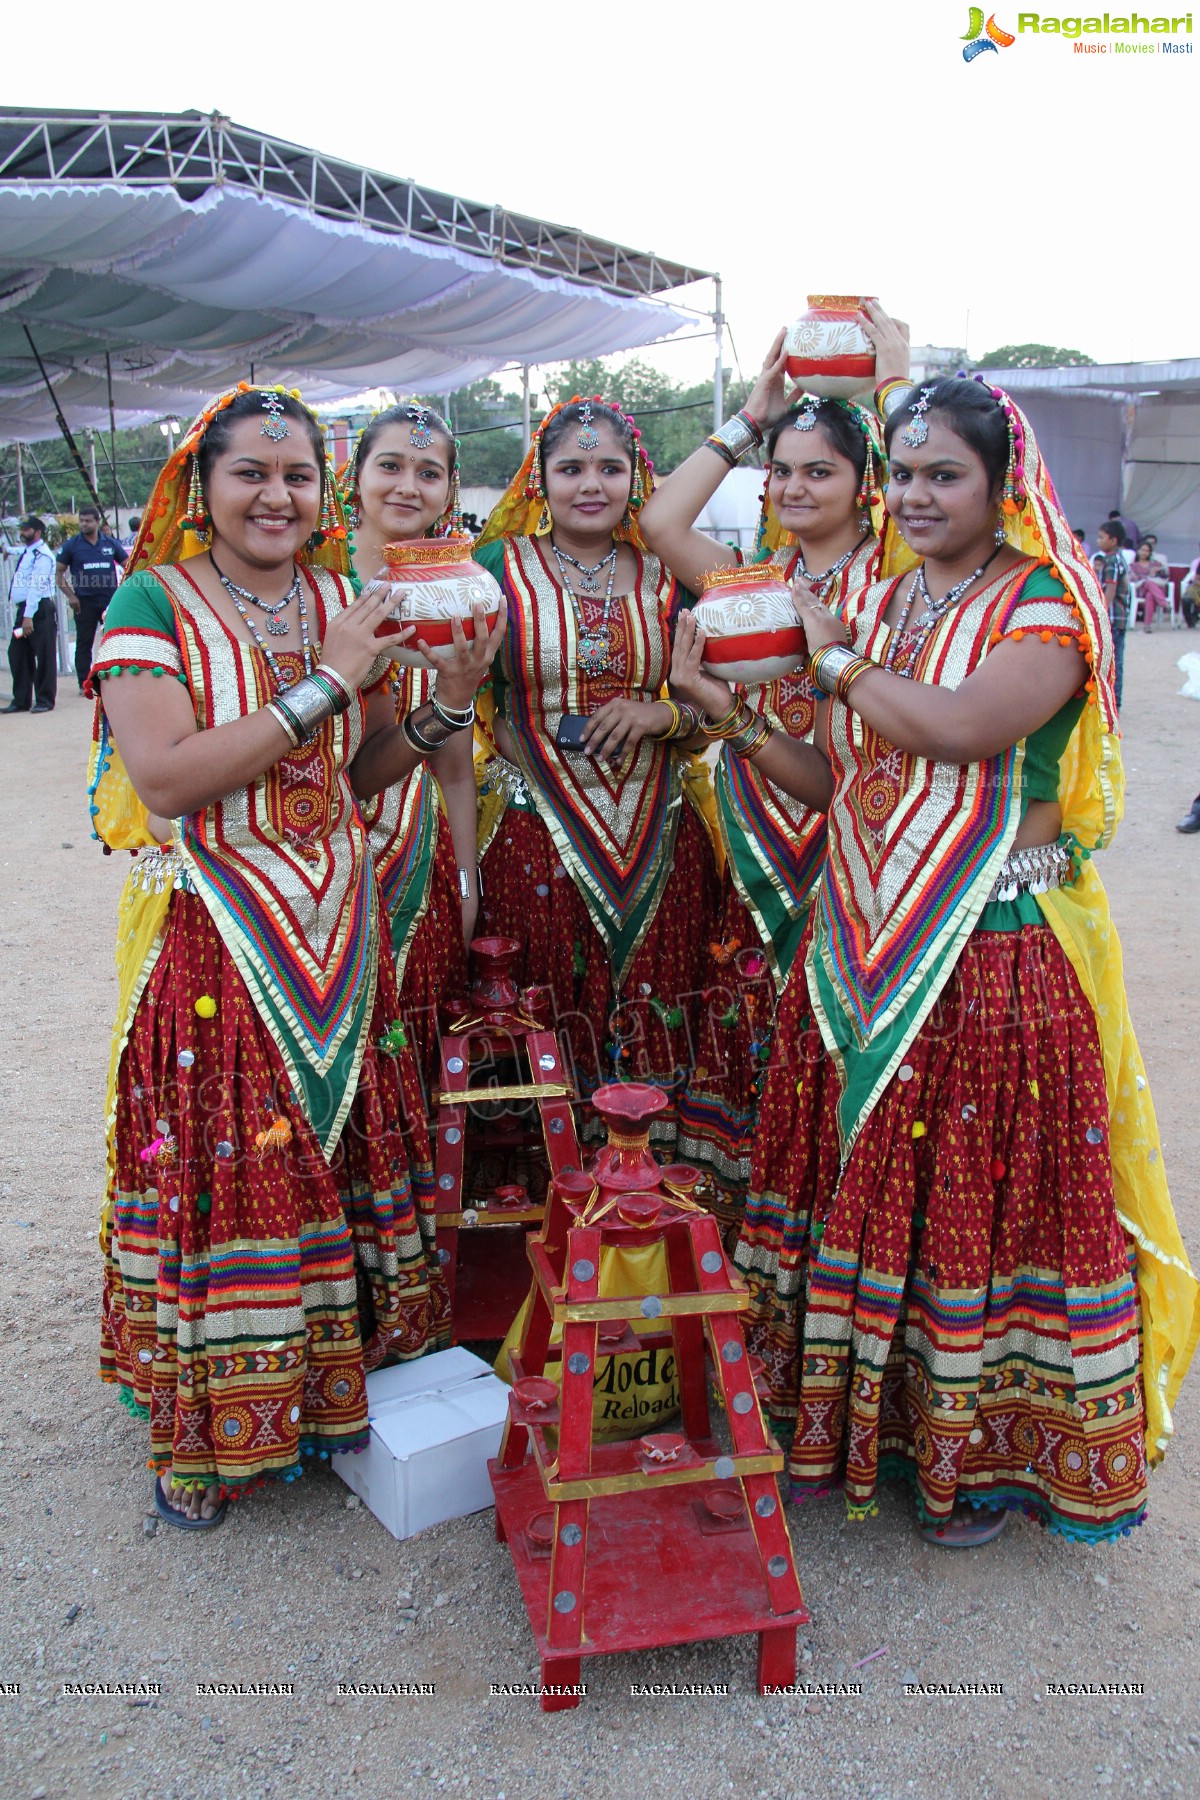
{"x": 1035, "y": 356}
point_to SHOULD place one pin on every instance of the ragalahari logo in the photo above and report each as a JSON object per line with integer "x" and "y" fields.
{"x": 975, "y": 42}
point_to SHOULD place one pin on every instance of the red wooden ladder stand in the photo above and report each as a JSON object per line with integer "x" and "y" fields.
{"x": 494, "y": 1025}
{"x": 663, "y": 1539}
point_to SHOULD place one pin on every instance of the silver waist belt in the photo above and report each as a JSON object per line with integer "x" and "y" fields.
{"x": 1032, "y": 871}
{"x": 157, "y": 870}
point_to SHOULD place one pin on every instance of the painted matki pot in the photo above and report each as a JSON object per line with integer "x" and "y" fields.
{"x": 442, "y": 583}
{"x": 750, "y": 624}
{"x": 828, "y": 345}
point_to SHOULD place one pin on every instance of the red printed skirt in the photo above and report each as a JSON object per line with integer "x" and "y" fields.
{"x": 436, "y": 968}
{"x": 958, "y": 1307}
{"x": 648, "y": 1032}
{"x": 247, "y": 1292}
{"x": 719, "y": 1107}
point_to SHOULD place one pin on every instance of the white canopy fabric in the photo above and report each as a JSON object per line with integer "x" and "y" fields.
{"x": 1123, "y": 435}
{"x": 186, "y": 295}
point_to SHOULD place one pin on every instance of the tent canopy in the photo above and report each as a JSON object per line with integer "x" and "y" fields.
{"x": 180, "y": 250}
{"x": 1123, "y": 435}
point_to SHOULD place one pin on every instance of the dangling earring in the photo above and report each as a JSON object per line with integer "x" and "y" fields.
{"x": 449, "y": 522}
{"x": 328, "y": 525}
{"x": 195, "y": 519}
{"x": 866, "y": 493}
{"x": 535, "y": 489}
{"x": 1001, "y": 534}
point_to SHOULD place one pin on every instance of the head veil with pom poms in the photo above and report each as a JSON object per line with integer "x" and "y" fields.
{"x": 809, "y": 407}
{"x": 174, "y": 523}
{"x": 522, "y": 511}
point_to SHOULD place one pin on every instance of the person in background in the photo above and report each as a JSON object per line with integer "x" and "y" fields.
{"x": 1190, "y": 822}
{"x": 1130, "y": 540}
{"x": 88, "y": 575}
{"x": 130, "y": 538}
{"x": 1081, "y": 540}
{"x": 1112, "y": 571}
{"x": 1149, "y": 578}
{"x": 32, "y": 652}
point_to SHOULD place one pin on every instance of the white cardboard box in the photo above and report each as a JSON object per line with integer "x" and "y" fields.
{"x": 434, "y": 1424}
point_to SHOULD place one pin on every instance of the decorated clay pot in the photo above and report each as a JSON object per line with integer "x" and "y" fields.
{"x": 827, "y": 348}
{"x": 435, "y": 582}
{"x": 750, "y": 624}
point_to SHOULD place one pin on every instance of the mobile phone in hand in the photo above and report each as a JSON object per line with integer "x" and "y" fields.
{"x": 570, "y": 732}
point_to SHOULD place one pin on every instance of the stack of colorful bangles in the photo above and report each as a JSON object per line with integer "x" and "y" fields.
{"x": 685, "y": 721}
{"x": 449, "y": 718}
{"x": 744, "y": 730}
{"x": 303, "y": 709}
{"x": 887, "y": 395}
{"x": 835, "y": 668}
{"x": 737, "y": 435}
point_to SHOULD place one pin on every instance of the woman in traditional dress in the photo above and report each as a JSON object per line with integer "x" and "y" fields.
{"x": 592, "y": 854}
{"x": 822, "y": 511}
{"x": 268, "y": 1235}
{"x": 957, "y": 1158}
{"x": 402, "y": 484}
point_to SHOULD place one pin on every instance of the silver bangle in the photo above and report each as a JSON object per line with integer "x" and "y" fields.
{"x": 464, "y": 883}
{"x": 413, "y": 738}
{"x": 737, "y": 437}
{"x": 459, "y": 716}
{"x": 309, "y": 704}
{"x": 832, "y": 667}
{"x": 452, "y": 720}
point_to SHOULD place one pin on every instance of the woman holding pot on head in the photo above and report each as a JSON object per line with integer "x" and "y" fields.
{"x": 593, "y": 855}
{"x": 402, "y": 484}
{"x": 957, "y": 1199}
{"x": 822, "y": 515}
{"x": 268, "y": 1236}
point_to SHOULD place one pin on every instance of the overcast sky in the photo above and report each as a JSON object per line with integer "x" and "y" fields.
{"x": 842, "y": 147}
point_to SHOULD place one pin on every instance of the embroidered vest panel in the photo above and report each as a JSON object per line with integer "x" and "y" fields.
{"x": 282, "y": 864}
{"x": 614, "y": 828}
{"x": 914, "y": 846}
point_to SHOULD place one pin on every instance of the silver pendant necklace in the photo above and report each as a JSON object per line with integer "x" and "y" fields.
{"x": 276, "y": 627}
{"x": 932, "y": 610}
{"x": 588, "y": 578}
{"x": 594, "y": 642}
{"x": 283, "y": 681}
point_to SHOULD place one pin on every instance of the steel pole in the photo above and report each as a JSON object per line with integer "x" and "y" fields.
{"x": 719, "y": 368}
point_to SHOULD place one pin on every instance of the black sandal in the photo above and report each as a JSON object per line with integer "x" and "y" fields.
{"x": 181, "y": 1522}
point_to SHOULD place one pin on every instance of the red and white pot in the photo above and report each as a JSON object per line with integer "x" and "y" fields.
{"x": 750, "y": 624}
{"x": 436, "y": 581}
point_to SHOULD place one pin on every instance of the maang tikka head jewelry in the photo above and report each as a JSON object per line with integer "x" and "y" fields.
{"x": 275, "y": 425}
{"x": 420, "y": 437}
{"x": 806, "y": 418}
{"x": 589, "y": 437}
{"x": 916, "y": 431}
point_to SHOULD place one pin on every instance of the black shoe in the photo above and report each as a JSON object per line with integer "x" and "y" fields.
{"x": 41, "y": 707}
{"x": 1190, "y": 822}
{"x": 13, "y": 707}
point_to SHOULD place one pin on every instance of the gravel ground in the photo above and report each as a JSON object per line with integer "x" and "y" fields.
{"x": 302, "y": 1585}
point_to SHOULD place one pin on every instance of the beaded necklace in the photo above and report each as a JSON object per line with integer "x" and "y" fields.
{"x": 276, "y": 627}
{"x": 914, "y": 640}
{"x": 587, "y": 577}
{"x": 823, "y": 582}
{"x": 595, "y": 641}
{"x": 237, "y": 594}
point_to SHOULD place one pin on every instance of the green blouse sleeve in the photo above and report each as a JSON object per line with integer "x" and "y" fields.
{"x": 139, "y": 631}
{"x": 1044, "y": 747}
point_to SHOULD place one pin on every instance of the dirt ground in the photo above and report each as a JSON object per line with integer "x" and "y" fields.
{"x": 300, "y": 1586}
